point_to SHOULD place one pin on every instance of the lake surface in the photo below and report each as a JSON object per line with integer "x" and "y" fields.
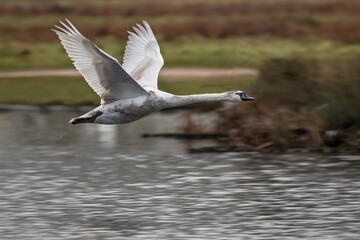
{"x": 59, "y": 181}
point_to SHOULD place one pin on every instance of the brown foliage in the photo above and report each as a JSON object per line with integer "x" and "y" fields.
{"x": 344, "y": 31}
{"x": 256, "y": 125}
{"x": 197, "y": 8}
{"x": 297, "y": 103}
{"x": 290, "y": 19}
{"x": 291, "y": 82}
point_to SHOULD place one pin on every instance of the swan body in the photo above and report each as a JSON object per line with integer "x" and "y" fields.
{"x": 128, "y": 92}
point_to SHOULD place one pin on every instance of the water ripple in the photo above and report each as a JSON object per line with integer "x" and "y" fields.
{"x": 78, "y": 187}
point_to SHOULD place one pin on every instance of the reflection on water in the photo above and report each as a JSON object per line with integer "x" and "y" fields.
{"x": 59, "y": 181}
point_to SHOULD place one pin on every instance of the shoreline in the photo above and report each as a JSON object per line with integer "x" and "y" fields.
{"x": 9, "y": 108}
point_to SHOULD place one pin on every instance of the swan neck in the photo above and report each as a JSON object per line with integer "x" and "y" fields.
{"x": 177, "y": 100}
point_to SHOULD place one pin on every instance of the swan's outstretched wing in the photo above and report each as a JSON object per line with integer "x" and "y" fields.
{"x": 142, "y": 58}
{"x": 101, "y": 71}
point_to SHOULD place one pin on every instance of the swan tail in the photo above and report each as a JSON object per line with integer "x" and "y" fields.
{"x": 79, "y": 120}
{"x": 87, "y": 118}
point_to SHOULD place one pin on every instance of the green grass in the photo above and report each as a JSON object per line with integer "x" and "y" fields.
{"x": 74, "y": 91}
{"x": 193, "y": 86}
{"x": 20, "y": 56}
{"x": 193, "y": 51}
{"x": 46, "y": 91}
{"x": 49, "y": 20}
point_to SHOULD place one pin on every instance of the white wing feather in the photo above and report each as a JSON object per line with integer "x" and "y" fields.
{"x": 102, "y": 72}
{"x": 142, "y": 58}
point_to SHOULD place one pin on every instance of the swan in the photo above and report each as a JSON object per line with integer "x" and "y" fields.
{"x": 129, "y": 91}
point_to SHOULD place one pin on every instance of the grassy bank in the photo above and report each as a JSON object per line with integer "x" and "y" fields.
{"x": 74, "y": 91}
{"x": 191, "y": 33}
{"x": 192, "y": 51}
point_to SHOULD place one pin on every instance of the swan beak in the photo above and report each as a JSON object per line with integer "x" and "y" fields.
{"x": 245, "y": 97}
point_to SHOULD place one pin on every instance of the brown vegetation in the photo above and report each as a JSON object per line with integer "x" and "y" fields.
{"x": 300, "y": 19}
{"x": 299, "y": 105}
{"x": 196, "y": 9}
{"x": 290, "y": 28}
{"x": 259, "y": 126}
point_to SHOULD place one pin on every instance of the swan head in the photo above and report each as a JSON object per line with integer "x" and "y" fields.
{"x": 240, "y": 96}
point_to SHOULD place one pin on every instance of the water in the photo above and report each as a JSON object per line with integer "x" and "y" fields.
{"x": 59, "y": 181}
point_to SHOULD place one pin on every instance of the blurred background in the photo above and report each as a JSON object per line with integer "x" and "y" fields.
{"x": 283, "y": 166}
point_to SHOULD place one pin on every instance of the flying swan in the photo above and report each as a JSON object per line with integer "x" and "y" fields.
{"x": 128, "y": 92}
